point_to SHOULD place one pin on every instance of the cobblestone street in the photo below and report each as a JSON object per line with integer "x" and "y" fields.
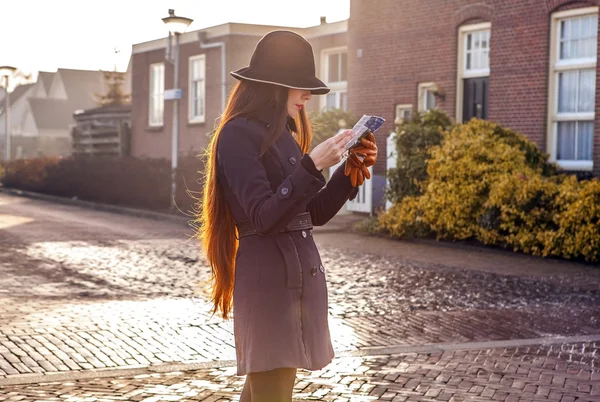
{"x": 100, "y": 306}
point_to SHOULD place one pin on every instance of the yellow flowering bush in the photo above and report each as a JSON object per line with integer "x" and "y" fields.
{"x": 493, "y": 185}
{"x": 519, "y": 212}
{"x": 578, "y": 220}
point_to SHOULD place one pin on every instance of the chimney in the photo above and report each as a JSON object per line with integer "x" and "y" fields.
{"x": 323, "y": 20}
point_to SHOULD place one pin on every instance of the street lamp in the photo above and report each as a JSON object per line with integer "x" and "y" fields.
{"x": 6, "y": 72}
{"x": 177, "y": 26}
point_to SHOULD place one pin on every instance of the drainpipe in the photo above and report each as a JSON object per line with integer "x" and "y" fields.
{"x": 204, "y": 45}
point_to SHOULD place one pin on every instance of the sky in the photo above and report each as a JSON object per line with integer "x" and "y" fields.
{"x": 43, "y": 35}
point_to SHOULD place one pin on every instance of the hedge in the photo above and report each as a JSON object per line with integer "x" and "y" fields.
{"x": 126, "y": 181}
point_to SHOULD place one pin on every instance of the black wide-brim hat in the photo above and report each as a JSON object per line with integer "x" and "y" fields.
{"x": 286, "y": 59}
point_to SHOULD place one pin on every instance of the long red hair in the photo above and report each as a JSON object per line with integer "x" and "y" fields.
{"x": 215, "y": 224}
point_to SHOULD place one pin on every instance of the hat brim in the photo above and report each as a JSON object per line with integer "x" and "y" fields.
{"x": 312, "y": 84}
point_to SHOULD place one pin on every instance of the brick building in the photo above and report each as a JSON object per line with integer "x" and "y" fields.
{"x": 201, "y": 80}
{"x": 529, "y": 65}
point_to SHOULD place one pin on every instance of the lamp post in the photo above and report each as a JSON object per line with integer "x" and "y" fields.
{"x": 177, "y": 26}
{"x": 6, "y": 72}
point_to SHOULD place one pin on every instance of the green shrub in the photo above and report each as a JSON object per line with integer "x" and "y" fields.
{"x": 414, "y": 139}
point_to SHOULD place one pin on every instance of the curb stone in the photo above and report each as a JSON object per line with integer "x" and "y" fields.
{"x": 183, "y": 366}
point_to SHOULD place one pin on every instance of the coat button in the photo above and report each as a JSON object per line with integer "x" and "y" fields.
{"x": 313, "y": 271}
{"x": 293, "y": 160}
{"x": 304, "y": 234}
{"x": 322, "y": 268}
{"x": 284, "y": 190}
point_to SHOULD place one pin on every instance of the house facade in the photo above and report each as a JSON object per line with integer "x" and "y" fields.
{"x": 529, "y": 65}
{"x": 42, "y": 112}
{"x": 205, "y": 59}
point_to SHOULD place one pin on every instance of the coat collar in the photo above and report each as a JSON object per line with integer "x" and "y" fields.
{"x": 268, "y": 117}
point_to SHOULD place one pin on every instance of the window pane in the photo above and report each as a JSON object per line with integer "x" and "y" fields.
{"x": 586, "y": 28}
{"x": 331, "y": 100}
{"x": 344, "y": 101}
{"x": 344, "y": 67}
{"x": 429, "y": 100}
{"x": 566, "y": 140}
{"x": 476, "y": 39}
{"x": 564, "y": 50}
{"x": 477, "y": 45}
{"x": 334, "y": 66}
{"x": 564, "y": 28}
{"x": 575, "y": 140}
{"x": 585, "y": 138}
{"x": 578, "y": 37}
{"x": 587, "y": 90}
{"x": 198, "y": 70}
{"x": 195, "y": 69}
{"x": 156, "y": 97}
{"x": 197, "y": 98}
{"x": 567, "y": 92}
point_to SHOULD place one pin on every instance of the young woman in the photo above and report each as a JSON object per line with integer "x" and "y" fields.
{"x": 263, "y": 193}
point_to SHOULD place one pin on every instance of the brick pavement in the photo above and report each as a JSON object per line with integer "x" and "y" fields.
{"x": 84, "y": 290}
{"x": 563, "y": 372}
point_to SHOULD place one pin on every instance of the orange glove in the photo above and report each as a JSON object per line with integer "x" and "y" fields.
{"x": 359, "y": 159}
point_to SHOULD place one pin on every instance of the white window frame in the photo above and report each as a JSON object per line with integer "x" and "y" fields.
{"x": 462, "y": 73}
{"x": 400, "y": 109}
{"x": 556, "y": 67}
{"x": 337, "y": 87}
{"x": 424, "y": 88}
{"x": 201, "y": 118}
{"x": 152, "y": 121}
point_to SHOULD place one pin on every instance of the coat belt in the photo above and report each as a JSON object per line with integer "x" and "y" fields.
{"x": 301, "y": 221}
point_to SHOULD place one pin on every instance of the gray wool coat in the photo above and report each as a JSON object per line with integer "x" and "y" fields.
{"x": 280, "y": 297}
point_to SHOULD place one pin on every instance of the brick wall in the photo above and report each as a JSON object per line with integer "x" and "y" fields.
{"x": 405, "y": 43}
{"x": 156, "y": 141}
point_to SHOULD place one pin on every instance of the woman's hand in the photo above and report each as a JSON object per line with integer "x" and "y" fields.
{"x": 359, "y": 160}
{"x": 330, "y": 151}
{"x": 367, "y": 150}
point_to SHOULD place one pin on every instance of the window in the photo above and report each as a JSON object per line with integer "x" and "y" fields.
{"x": 477, "y": 52}
{"x": 335, "y": 71}
{"x": 337, "y": 99}
{"x": 426, "y": 96}
{"x": 197, "y": 98}
{"x": 473, "y": 71}
{"x": 573, "y": 88}
{"x": 157, "y": 92}
{"x": 403, "y": 113}
{"x": 337, "y": 67}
